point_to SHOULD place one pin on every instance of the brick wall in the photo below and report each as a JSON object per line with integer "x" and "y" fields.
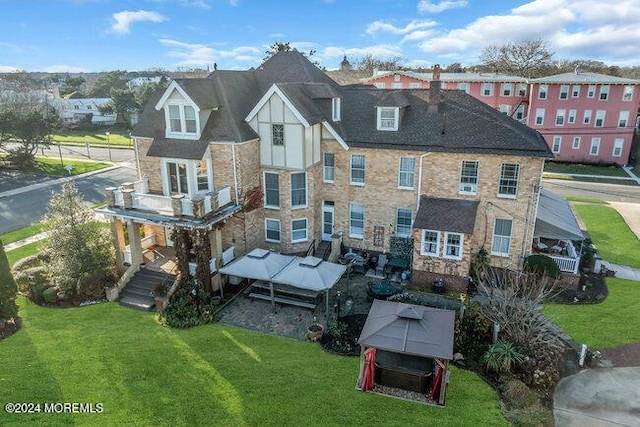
{"x": 149, "y": 166}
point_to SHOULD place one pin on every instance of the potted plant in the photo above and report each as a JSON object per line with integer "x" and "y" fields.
{"x": 160, "y": 291}
{"x": 314, "y": 332}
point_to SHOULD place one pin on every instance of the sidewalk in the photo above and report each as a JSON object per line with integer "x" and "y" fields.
{"x": 35, "y": 238}
{"x": 627, "y": 169}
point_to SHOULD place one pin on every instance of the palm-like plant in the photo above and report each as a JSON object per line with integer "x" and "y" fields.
{"x": 501, "y": 357}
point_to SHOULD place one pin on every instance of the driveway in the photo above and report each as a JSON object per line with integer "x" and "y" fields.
{"x": 598, "y": 397}
{"x": 631, "y": 214}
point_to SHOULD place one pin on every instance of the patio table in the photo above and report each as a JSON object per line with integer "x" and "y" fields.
{"x": 383, "y": 289}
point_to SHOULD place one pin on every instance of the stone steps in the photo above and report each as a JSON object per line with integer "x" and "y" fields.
{"x": 138, "y": 293}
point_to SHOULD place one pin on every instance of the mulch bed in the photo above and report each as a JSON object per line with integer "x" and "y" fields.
{"x": 627, "y": 355}
{"x": 591, "y": 289}
{"x": 10, "y": 327}
{"x": 348, "y": 344}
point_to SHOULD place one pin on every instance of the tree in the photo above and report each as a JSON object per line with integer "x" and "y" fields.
{"x": 369, "y": 62}
{"x": 529, "y": 58}
{"x": 108, "y": 81}
{"x": 81, "y": 258}
{"x": 123, "y": 102}
{"x": 8, "y": 289}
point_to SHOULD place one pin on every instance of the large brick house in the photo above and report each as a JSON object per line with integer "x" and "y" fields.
{"x": 282, "y": 157}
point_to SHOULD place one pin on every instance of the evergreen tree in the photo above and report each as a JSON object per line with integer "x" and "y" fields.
{"x": 8, "y": 289}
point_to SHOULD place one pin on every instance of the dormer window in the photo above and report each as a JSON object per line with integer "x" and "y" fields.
{"x": 182, "y": 119}
{"x": 388, "y": 118}
{"x": 335, "y": 109}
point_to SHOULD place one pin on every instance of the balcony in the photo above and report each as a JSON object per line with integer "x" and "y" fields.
{"x": 136, "y": 195}
{"x": 561, "y": 251}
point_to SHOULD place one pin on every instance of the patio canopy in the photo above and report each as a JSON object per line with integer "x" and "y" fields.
{"x": 409, "y": 329}
{"x": 555, "y": 219}
{"x": 259, "y": 264}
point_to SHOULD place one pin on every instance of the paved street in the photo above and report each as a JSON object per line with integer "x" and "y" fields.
{"x": 93, "y": 153}
{"x": 20, "y": 210}
{"x": 593, "y": 190}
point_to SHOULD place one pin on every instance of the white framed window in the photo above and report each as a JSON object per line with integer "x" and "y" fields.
{"x": 329, "y": 167}
{"x": 403, "y": 222}
{"x": 469, "y": 177}
{"x": 519, "y": 112}
{"x": 576, "y": 143}
{"x": 508, "y": 185}
{"x": 560, "y": 117}
{"x": 415, "y": 85}
{"x": 396, "y": 85}
{"x": 604, "y": 92}
{"x": 587, "y": 117}
{"x": 487, "y": 89}
{"x": 182, "y": 120}
{"x": 190, "y": 177}
{"x": 572, "y": 116}
{"x": 379, "y": 85}
{"x": 453, "y": 245}
{"x": 89, "y": 107}
{"x": 591, "y": 91}
{"x": 357, "y": 169}
{"x": 522, "y": 89}
{"x": 406, "y": 172}
{"x": 388, "y": 118}
{"x": 430, "y": 243}
{"x": 539, "y": 116}
{"x": 277, "y": 134}
{"x": 501, "y": 241}
{"x": 564, "y": 92}
{"x": 271, "y": 190}
{"x": 272, "y": 230}
{"x": 178, "y": 177}
{"x": 335, "y": 109}
{"x": 623, "y": 119}
{"x": 464, "y": 86}
{"x": 298, "y": 190}
{"x": 542, "y": 92}
{"x": 575, "y": 91}
{"x": 299, "y": 230}
{"x": 506, "y": 89}
{"x": 627, "y": 94}
{"x": 203, "y": 176}
{"x": 618, "y": 144}
{"x": 557, "y": 141}
{"x": 595, "y": 146}
{"x": 356, "y": 220}
{"x": 599, "y": 121}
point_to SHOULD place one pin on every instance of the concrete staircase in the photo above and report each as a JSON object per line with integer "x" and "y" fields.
{"x": 323, "y": 250}
{"x": 138, "y": 293}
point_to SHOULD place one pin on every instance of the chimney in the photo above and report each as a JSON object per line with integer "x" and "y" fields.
{"x": 435, "y": 78}
{"x": 434, "y": 93}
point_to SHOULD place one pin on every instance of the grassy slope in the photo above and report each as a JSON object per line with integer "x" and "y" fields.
{"x": 613, "y": 238}
{"x": 145, "y": 374}
{"x": 22, "y": 233}
{"x": 606, "y": 324}
{"x": 572, "y": 168}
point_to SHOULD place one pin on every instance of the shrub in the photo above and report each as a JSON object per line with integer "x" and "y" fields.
{"x": 535, "y": 415}
{"x": 501, "y": 357}
{"x": 541, "y": 265}
{"x": 50, "y": 295}
{"x": 517, "y": 395}
{"x": 472, "y": 334}
{"x": 189, "y": 306}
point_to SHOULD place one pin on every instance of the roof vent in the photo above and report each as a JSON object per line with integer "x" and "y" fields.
{"x": 409, "y": 311}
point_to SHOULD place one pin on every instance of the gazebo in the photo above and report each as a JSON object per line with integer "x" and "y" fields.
{"x": 407, "y": 346}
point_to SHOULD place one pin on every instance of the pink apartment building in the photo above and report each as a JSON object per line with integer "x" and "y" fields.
{"x": 585, "y": 117}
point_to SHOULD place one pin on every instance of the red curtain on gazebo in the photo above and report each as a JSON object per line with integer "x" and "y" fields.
{"x": 369, "y": 369}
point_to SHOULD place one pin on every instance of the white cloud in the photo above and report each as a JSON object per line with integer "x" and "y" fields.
{"x": 418, "y": 35}
{"x": 379, "y": 51}
{"x": 196, "y": 54}
{"x": 123, "y": 20}
{"x": 385, "y": 27}
{"x": 437, "y": 7}
{"x": 64, "y": 69}
{"x": 8, "y": 69}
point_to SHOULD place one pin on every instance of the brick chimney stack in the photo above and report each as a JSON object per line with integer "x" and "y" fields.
{"x": 436, "y": 85}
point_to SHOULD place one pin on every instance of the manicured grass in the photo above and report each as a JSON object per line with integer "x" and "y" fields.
{"x": 572, "y": 168}
{"x": 118, "y": 136}
{"x": 613, "y": 238}
{"x": 22, "y": 233}
{"x": 629, "y": 181}
{"x": 586, "y": 200}
{"x": 52, "y": 166}
{"x": 24, "y": 251}
{"x": 606, "y": 324}
{"x": 145, "y": 374}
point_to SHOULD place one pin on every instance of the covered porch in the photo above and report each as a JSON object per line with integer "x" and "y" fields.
{"x": 555, "y": 232}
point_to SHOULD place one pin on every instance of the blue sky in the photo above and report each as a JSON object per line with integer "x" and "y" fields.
{"x": 101, "y": 35}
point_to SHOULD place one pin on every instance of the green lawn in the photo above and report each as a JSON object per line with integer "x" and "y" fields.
{"x": 52, "y": 166}
{"x": 118, "y": 136}
{"x": 24, "y": 251}
{"x": 586, "y": 200}
{"x": 22, "y": 233}
{"x": 573, "y": 168}
{"x": 146, "y": 374}
{"x": 613, "y": 238}
{"x": 602, "y": 325}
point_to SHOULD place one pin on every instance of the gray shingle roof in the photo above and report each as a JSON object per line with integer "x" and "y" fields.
{"x": 201, "y": 91}
{"x": 453, "y": 215}
{"x": 178, "y": 148}
{"x": 585, "y": 77}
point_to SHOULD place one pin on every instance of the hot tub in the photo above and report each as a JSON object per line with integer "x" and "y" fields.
{"x": 403, "y": 371}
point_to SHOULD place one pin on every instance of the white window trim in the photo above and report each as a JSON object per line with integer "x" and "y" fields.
{"x": 624, "y": 115}
{"x": 604, "y": 90}
{"x": 356, "y": 236}
{"x": 410, "y": 225}
{"x": 587, "y": 116}
{"x": 461, "y": 185}
{"x": 510, "y": 237}
{"x": 351, "y": 182}
{"x": 183, "y": 124}
{"x": 192, "y": 177}
{"x": 539, "y": 115}
{"x": 603, "y": 118}
{"x": 545, "y": 91}
{"x": 575, "y": 93}
{"x": 624, "y": 91}
{"x": 560, "y": 92}
{"x": 557, "y": 139}
{"x": 283, "y": 135}
{"x": 306, "y": 191}
{"x": 571, "y": 119}
{"x": 437, "y": 252}
{"x": 591, "y": 91}
{"x": 615, "y": 145}
{"x": 504, "y": 195}
{"x": 266, "y": 239}
{"x": 506, "y": 86}
{"x": 306, "y": 230}
{"x": 324, "y": 166}
{"x": 561, "y": 114}
{"x": 400, "y": 171}
{"x": 578, "y": 140}
{"x": 593, "y": 144}
{"x": 444, "y": 246}
{"x": 396, "y": 118}
{"x": 264, "y": 188}
{"x": 490, "y": 86}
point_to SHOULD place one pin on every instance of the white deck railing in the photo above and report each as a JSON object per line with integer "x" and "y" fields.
{"x": 566, "y": 265}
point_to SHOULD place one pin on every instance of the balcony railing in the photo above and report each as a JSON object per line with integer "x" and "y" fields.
{"x": 136, "y": 196}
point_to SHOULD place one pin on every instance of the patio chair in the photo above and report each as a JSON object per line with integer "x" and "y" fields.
{"x": 382, "y": 263}
{"x": 539, "y": 245}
